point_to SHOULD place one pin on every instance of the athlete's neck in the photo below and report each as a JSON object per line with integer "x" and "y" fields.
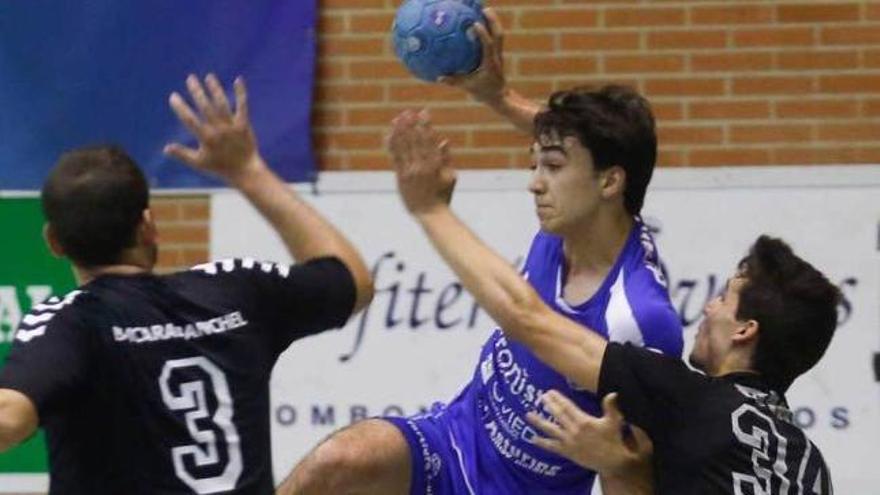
{"x": 133, "y": 261}
{"x": 596, "y": 246}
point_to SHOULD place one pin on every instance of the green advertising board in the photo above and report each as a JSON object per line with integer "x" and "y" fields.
{"x": 28, "y": 275}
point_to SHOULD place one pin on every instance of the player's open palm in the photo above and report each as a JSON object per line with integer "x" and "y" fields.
{"x": 420, "y": 157}
{"x": 227, "y": 145}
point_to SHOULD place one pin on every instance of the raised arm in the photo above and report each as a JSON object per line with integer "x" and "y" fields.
{"x": 18, "y": 418}
{"x": 228, "y": 149}
{"x": 488, "y": 84}
{"x": 425, "y": 182}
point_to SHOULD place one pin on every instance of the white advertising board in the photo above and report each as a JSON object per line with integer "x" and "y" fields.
{"x": 418, "y": 342}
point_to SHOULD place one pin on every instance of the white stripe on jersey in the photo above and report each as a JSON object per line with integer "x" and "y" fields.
{"x": 31, "y": 319}
{"x": 619, "y": 318}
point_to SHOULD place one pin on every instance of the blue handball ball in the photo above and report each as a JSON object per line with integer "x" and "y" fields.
{"x": 435, "y": 38}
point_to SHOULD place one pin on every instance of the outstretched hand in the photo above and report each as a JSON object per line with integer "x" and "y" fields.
{"x": 227, "y": 144}
{"x": 487, "y": 83}
{"x": 594, "y": 443}
{"x": 425, "y": 179}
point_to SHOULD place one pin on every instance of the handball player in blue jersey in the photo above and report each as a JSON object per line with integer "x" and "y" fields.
{"x": 593, "y": 261}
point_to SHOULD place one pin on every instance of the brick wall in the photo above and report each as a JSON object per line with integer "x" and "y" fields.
{"x": 733, "y": 82}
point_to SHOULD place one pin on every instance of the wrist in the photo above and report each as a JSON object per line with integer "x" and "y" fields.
{"x": 249, "y": 175}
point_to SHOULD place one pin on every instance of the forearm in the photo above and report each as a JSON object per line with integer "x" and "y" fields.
{"x": 517, "y": 109}
{"x": 18, "y": 418}
{"x": 305, "y": 232}
{"x": 564, "y": 345}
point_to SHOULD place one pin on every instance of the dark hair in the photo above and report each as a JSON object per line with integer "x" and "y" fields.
{"x": 795, "y": 306}
{"x": 615, "y": 124}
{"x": 94, "y": 200}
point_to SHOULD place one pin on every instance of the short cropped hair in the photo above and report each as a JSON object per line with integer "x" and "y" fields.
{"x": 93, "y": 200}
{"x": 795, "y": 306}
{"x": 615, "y": 124}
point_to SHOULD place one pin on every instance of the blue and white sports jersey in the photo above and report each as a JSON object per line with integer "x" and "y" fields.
{"x": 487, "y": 420}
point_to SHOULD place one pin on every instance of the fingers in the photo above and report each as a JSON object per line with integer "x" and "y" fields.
{"x": 496, "y": 29}
{"x": 241, "y": 101}
{"x": 564, "y": 410}
{"x": 548, "y": 428}
{"x": 488, "y": 43}
{"x": 200, "y": 98}
{"x": 182, "y": 153}
{"x": 221, "y": 104}
{"x": 611, "y": 408}
{"x": 643, "y": 443}
{"x": 186, "y": 115}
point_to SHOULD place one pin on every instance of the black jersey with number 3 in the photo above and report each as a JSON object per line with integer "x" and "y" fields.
{"x": 151, "y": 384}
{"x": 724, "y": 435}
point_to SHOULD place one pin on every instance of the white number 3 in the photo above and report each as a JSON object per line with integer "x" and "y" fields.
{"x": 191, "y": 396}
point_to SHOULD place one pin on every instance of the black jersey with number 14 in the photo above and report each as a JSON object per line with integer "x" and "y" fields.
{"x": 151, "y": 384}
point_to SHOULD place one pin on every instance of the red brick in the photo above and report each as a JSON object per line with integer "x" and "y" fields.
{"x": 331, "y": 24}
{"x": 350, "y": 93}
{"x": 644, "y": 16}
{"x": 872, "y": 58}
{"x": 560, "y": 18}
{"x": 873, "y": 11}
{"x": 809, "y": 12}
{"x": 684, "y": 87}
{"x": 772, "y": 85}
{"x": 671, "y": 157}
{"x": 327, "y": 117}
{"x": 667, "y": 110}
{"x": 690, "y": 134}
{"x": 728, "y": 62}
{"x": 532, "y": 42}
{"x": 331, "y": 162}
{"x": 373, "y": 116}
{"x": 194, "y": 256}
{"x": 331, "y": 69}
{"x": 778, "y": 133}
{"x": 804, "y": 155}
{"x": 169, "y": 258}
{"x": 729, "y": 110}
{"x": 732, "y": 14}
{"x": 644, "y": 63}
{"x": 803, "y": 108}
{"x": 183, "y": 234}
{"x": 377, "y": 69}
{"x": 501, "y": 138}
{"x": 871, "y": 108}
{"x": 483, "y": 159}
{"x": 349, "y": 46}
{"x": 775, "y": 36}
{"x": 335, "y": 139}
{"x": 861, "y": 131}
{"x": 850, "y": 83}
{"x": 369, "y": 161}
{"x": 532, "y": 66}
{"x": 424, "y": 92}
{"x": 816, "y": 60}
{"x": 867, "y": 154}
{"x": 352, "y": 4}
{"x": 196, "y": 210}
{"x": 605, "y": 41}
{"x": 536, "y": 90}
{"x": 473, "y": 114}
{"x": 687, "y": 39}
{"x": 165, "y": 210}
{"x": 725, "y": 157}
{"x": 850, "y": 35}
{"x": 371, "y": 23}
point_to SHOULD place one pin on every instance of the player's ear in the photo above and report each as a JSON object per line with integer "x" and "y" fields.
{"x": 613, "y": 181}
{"x": 52, "y": 240}
{"x": 147, "y": 230}
{"x": 746, "y": 332}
